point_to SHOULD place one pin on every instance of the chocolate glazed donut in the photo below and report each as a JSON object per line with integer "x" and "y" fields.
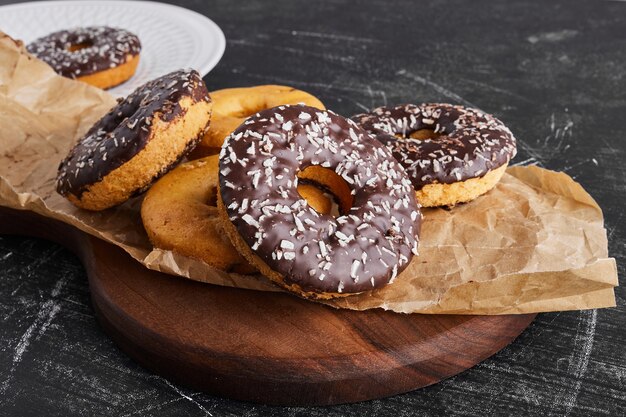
{"x": 81, "y": 53}
{"x": 136, "y": 142}
{"x": 316, "y": 255}
{"x": 442, "y": 143}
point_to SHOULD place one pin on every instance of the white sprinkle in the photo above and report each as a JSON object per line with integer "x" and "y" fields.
{"x": 394, "y": 273}
{"x": 244, "y": 205}
{"x": 390, "y": 252}
{"x": 299, "y": 224}
{"x": 355, "y": 267}
{"x": 250, "y": 220}
{"x": 286, "y": 244}
{"x": 323, "y": 250}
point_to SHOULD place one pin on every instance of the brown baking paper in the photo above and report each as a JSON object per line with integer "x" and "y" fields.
{"x": 534, "y": 243}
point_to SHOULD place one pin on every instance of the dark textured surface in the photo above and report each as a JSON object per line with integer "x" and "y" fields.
{"x": 554, "y": 72}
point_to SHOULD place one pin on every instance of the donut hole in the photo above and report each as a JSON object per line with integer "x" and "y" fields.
{"x": 211, "y": 198}
{"x": 247, "y": 112}
{"x": 318, "y": 198}
{"x": 262, "y": 100}
{"x": 247, "y": 107}
{"x": 78, "y": 46}
{"x": 324, "y": 188}
{"x": 421, "y": 134}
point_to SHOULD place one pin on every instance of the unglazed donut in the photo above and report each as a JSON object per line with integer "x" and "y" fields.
{"x": 232, "y": 106}
{"x": 452, "y": 154}
{"x": 101, "y": 56}
{"x": 312, "y": 254}
{"x": 179, "y": 213}
{"x": 136, "y": 142}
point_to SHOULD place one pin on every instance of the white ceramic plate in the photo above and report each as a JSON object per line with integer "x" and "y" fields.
{"x": 172, "y": 37}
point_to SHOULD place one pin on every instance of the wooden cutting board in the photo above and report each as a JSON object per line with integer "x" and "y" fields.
{"x": 270, "y": 348}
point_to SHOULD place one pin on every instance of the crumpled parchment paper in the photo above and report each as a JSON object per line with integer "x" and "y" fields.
{"x": 535, "y": 243}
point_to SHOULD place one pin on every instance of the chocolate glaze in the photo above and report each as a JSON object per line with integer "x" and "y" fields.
{"x": 126, "y": 129}
{"x": 106, "y": 48}
{"x": 365, "y": 248}
{"x": 471, "y": 144}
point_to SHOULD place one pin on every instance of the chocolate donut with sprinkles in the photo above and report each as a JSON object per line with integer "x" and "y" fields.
{"x": 316, "y": 255}
{"x": 98, "y": 55}
{"x": 136, "y": 142}
{"x": 452, "y": 154}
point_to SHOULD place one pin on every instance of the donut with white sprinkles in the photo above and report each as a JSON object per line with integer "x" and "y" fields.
{"x": 98, "y": 55}
{"x": 452, "y": 153}
{"x": 311, "y": 254}
{"x": 136, "y": 142}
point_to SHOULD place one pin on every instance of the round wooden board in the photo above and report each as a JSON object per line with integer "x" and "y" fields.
{"x": 270, "y": 348}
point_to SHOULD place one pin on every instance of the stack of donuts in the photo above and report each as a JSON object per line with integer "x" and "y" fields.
{"x": 265, "y": 180}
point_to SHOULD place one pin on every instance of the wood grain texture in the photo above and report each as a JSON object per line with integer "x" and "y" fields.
{"x": 552, "y": 71}
{"x": 269, "y": 348}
